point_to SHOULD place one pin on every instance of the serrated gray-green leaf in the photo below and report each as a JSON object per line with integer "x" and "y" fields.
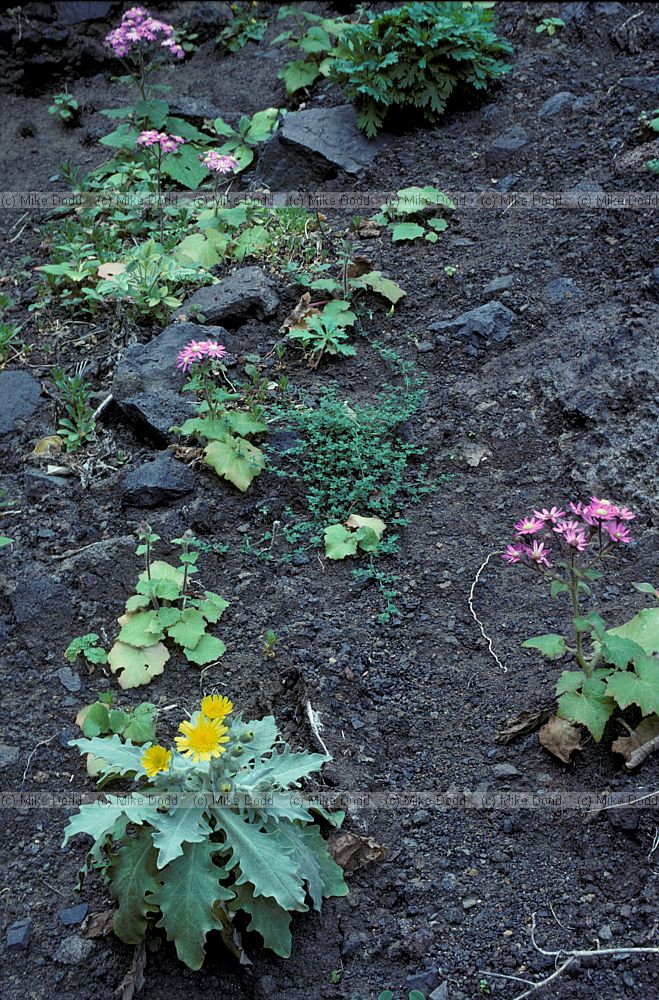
{"x": 133, "y": 874}
{"x": 315, "y": 864}
{"x": 191, "y": 887}
{"x": 118, "y": 757}
{"x": 94, "y": 819}
{"x": 290, "y": 768}
{"x": 268, "y": 919}
{"x": 618, "y": 650}
{"x": 184, "y": 824}
{"x": 261, "y": 858}
{"x": 640, "y": 687}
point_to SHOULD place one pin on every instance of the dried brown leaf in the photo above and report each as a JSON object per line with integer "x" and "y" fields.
{"x": 560, "y": 738}
{"x": 359, "y": 265}
{"x": 303, "y": 311}
{"x": 368, "y": 229}
{"x": 134, "y": 980}
{"x": 643, "y": 736}
{"x": 111, "y": 269}
{"x": 521, "y": 724}
{"x": 98, "y": 924}
{"x": 351, "y": 851}
{"x": 47, "y": 447}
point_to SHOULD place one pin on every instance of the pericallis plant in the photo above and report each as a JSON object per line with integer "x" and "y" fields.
{"x": 214, "y": 839}
{"x": 164, "y": 607}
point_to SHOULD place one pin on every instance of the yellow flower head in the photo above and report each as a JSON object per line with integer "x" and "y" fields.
{"x": 215, "y": 706}
{"x": 155, "y": 759}
{"x": 202, "y": 739}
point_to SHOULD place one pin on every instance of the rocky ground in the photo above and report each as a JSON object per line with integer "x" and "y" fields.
{"x": 540, "y": 353}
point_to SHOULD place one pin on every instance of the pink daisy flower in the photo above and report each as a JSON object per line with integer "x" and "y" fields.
{"x": 529, "y": 526}
{"x": 618, "y": 532}
{"x": 218, "y": 163}
{"x": 625, "y": 514}
{"x": 601, "y": 510}
{"x": 552, "y": 516}
{"x": 513, "y": 554}
{"x": 539, "y": 553}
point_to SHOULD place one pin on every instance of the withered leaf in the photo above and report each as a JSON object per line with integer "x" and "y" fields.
{"x": 134, "y": 980}
{"x": 359, "y": 265}
{"x": 98, "y": 924}
{"x": 521, "y": 724}
{"x": 643, "y": 736}
{"x": 111, "y": 269}
{"x": 560, "y": 738}
{"x": 351, "y": 851}
{"x": 303, "y": 311}
{"x": 368, "y": 229}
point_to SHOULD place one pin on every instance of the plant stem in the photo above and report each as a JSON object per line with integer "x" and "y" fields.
{"x": 574, "y": 595}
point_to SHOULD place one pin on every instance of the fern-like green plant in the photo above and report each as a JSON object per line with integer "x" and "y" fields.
{"x": 414, "y": 56}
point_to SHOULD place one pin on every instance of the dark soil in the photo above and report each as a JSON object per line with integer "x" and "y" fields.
{"x": 564, "y": 407}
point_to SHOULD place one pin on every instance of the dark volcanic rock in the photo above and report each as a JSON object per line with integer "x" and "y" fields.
{"x": 72, "y": 12}
{"x": 41, "y": 599}
{"x": 491, "y": 321}
{"x": 507, "y": 144}
{"x": 18, "y": 934}
{"x": 147, "y": 382}
{"x": 158, "y": 481}
{"x": 316, "y": 144}
{"x": 246, "y": 292}
{"x": 20, "y": 398}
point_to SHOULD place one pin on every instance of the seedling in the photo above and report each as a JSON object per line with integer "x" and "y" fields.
{"x": 74, "y": 398}
{"x": 66, "y": 108}
{"x": 550, "y": 25}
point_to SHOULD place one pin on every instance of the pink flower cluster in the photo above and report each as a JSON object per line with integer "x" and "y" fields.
{"x": 167, "y": 143}
{"x": 197, "y": 350}
{"x": 599, "y": 521}
{"x": 218, "y": 162}
{"x": 137, "y": 28}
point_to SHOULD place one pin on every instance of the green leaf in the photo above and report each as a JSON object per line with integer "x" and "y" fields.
{"x": 123, "y": 137}
{"x": 640, "y": 687}
{"x": 438, "y": 224}
{"x": 268, "y": 919}
{"x": 184, "y": 167}
{"x": 132, "y": 873}
{"x": 415, "y": 199}
{"x": 299, "y": 74}
{"x": 315, "y": 40}
{"x": 242, "y": 423}
{"x": 339, "y": 542}
{"x": 206, "y": 249}
{"x": 4, "y": 540}
{"x": 262, "y": 125}
{"x": 558, "y": 587}
{"x": 592, "y": 622}
{"x": 96, "y": 720}
{"x": 189, "y": 629}
{"x": 646, "y": 588}
{"x": 289, "y": 768}
{"x": 643, "y": 629}
{"x": 118, "y": 721}
{"x": 376, "y": 281}
{"x": 590, "y": 710}
{"x": 212, "y": 607}
{"x": 550, "y": 645}
{"x": 406, "y": 231}
{"x": 236, "y": 460}
{"x": 222, "y": 128}
{"x": 570, "y": 680}
{"x": 141, "y": 728}
{"x": 137, "y": 666}
{"x": 619, "y": 651}
{"x": 261, "y": 858}
{"x": 182, "y": 825}
{"x": 207, "y": 650}
{"x": 140, "y": 628}
{"x": 191, "y": 888}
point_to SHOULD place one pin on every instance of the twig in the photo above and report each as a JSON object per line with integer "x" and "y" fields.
{"x": 642, "y": 753}
{"x": 99, "y": 409}
{"x": 655, "y": 842}
{"x": 571, "y": 957}
{"x": 475, "y": 616}
{"x": 32, "y": 753}
{"x": 316, "y": 726}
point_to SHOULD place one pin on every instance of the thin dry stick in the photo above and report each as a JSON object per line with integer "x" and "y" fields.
{"x": 32, "y": 753}
{"x": 316, "y": 726}
{"x": 475, "y": 616}
{"x": 571, "y": 957}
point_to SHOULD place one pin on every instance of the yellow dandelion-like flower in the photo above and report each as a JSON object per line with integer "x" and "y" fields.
{"x": 215, "y": 706}
{"x": 202, "y": 739}
{"x": 155, "y": 759}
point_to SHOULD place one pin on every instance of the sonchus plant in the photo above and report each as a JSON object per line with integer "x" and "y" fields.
{"x": 615, "y": 667}
{"x": 215, "y": 839}
{"x": 165, "y": 607}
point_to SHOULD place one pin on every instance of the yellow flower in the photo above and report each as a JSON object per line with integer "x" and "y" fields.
{"x": 202, "y": 739}
{"x": 215, "y": 706}
{"x": 155, "y": 759}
